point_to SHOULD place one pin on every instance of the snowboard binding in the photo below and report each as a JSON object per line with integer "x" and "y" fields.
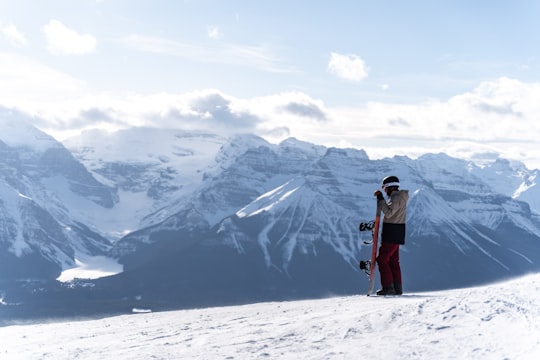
{"x": 365, "y": 265}
{"x": 367, "y": 226}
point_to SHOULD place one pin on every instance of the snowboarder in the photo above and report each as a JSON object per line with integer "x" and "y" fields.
{"x": 393, "y": 234}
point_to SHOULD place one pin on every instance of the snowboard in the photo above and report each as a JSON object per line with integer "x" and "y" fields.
{"x": 369, "y": 266}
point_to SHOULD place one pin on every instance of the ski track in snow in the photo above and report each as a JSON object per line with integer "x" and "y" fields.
{"x": 498, "y": 321}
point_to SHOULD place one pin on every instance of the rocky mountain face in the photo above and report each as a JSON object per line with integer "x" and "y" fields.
{"x": 300, "y": 238}
{"x": 198, "y": 219}
{"x": 38, "y": 234}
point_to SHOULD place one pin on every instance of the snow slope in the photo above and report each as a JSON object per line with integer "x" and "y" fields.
{"x": 499, "y": 321}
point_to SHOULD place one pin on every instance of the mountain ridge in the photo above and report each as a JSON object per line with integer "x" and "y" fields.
{"x": 238, "y": 219}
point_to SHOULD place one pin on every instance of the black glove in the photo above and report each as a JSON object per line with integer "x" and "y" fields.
{"x": 379, "y": 195}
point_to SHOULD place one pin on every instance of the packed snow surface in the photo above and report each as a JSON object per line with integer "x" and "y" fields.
{"x": 499, "y": 321}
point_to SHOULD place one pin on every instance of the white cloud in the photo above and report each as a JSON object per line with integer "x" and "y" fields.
{"x": 259, "y": 57}
{"x": 26, "y": 84}
{"x": 62, "y": 40}
{"x": 348, "y": 67}
{"x": 497, "y": 118}
{"x": 13, "y": 36}
{"x": 213, "y": 32}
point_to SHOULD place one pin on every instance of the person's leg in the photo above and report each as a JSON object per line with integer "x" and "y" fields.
{"x": 395, "y": 269}
{"x": 386, "y": 251}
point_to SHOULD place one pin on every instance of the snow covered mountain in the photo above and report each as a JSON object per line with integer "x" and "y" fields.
{"x": 201, "y": 219}
{"x": 512, "y": 179}
{"x": 153, "y": 170}
{"x": 38, "y": 235}
{"x": 280, "y": 221}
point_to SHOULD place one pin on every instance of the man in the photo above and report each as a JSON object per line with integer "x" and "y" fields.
{"x": 393, "y": 234}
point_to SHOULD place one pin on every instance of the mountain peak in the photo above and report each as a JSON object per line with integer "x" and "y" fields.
{"x": 17, "y": 132}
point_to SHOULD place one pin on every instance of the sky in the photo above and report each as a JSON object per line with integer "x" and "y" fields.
{"x": 390, "y": 77}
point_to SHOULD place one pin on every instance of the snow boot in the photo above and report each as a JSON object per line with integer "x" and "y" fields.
{"x": 398, "y": 288}
{"x": 386, "y": 290}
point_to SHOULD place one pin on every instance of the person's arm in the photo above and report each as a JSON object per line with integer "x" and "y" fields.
{"x": 393, "y": 206}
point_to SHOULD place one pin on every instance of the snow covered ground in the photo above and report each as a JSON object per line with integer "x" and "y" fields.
{"x": 499, "y": 321}
{"x": 91, "y": 267}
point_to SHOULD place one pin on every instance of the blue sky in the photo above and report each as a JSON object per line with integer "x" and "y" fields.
{"x": 391, "y": 77}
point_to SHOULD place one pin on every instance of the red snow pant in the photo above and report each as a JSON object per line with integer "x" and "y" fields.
{"x": 388, "y": 261}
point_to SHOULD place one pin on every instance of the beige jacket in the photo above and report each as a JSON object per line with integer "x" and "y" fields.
{"x": 395, "y": 210}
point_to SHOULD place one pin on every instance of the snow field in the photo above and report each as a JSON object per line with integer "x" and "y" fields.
{"x": 498, "y": 321}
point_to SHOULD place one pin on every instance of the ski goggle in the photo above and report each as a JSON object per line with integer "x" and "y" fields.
{"x": 387, "y": 185}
